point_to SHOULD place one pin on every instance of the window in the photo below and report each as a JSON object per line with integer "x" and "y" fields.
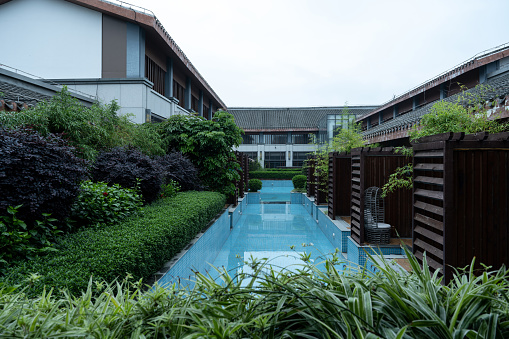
{"x": 275, "y": 159}
{"x": 298, "y": 158}
{"x": 302, "y": 138}
{"x": 194, "y": 103}
{"x": 272, "y": 139}
{"x": 155, "y": 74}
{"x": 252, "y": 155}
{"x": 251, "y": 139}
{"x": 178, "y": 92}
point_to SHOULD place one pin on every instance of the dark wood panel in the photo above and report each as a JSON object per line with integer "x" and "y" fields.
{"x": 429, "y": 167}
{"x": 436, "y": 154}
{"x": 429, "y": 248}
{"x": 429, "y": 208}
{"x": 428, "y": 234}
{"x": 433, "y": 263}
{"x": 429, "y": 180}
{"x": 430, "y": 194}
{"x": 429, "y": 221}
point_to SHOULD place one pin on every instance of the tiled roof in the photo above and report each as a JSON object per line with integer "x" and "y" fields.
{"x": 289, "y": 118}
{"x": 499, "y": 85}
{"x": 10, "y": 92}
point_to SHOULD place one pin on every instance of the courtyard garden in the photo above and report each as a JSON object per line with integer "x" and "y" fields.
{"x": 93, "y": 205}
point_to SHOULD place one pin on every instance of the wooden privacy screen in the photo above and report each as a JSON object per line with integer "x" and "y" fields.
{"x": 340, "y": 184}
{"x": 372, "y": 167}
{"x": 311, "y": 183}
{"x": 461, "y": 206}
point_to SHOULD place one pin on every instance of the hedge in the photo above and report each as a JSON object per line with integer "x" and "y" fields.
{"x": 138, "y": 246}
{"x": 288, "y": 175}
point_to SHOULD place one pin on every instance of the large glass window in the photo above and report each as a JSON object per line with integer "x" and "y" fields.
{"x": 298, "y": 158}
{"x": 155, "y": 74}
{"x": 251, "y": 139}
{"x": 300, "y": 138}
{"x": 336, "y": 122}
{"x": 272, "y": 139}
{"x": 274, "y": 159}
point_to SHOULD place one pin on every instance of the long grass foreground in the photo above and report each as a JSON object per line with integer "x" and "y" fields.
{"x": 307, "y": 303}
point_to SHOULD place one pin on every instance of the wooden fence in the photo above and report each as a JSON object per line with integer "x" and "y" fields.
{"x": 460, "y": 198}
{"x": 240, "y": 184}
{"x": 340, "y": 184}
{"x": 372, "y": 167}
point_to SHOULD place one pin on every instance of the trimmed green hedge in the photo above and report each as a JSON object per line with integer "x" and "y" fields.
{"x": 273, "y": 174}
{"x": 138, "y": 246}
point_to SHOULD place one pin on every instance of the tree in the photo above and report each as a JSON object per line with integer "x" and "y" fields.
{"x": 208, "y": 144}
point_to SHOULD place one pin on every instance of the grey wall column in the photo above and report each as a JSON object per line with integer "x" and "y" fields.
{"x": 262, "y": 141}
{"x": 395, "y": 111}
{"x": 289, "y": 140}
{"x": 200, "y": 104}
{"x": 380, "y": 118}
{"x": 187, "y": 94}
{"x": 135, "y": 57}
{"x": 415, "y": 103}
{"x": 211, "y": 111}
{"x": 368, "y": 123}
{"x": 168, "y": 79}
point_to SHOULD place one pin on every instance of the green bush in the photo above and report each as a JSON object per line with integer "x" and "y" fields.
{"x": 170, "y": 189}
{"x": 99, "y": 203}
{"x": 139, "y": 245}
{"x": 255, "y": 185}
{"x": 299, "y": 181}
{"x": 286, "y": 175}
{"x": 19, "y": 241}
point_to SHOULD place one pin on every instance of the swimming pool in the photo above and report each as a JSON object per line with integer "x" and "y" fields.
{"x": 271, "y": 229}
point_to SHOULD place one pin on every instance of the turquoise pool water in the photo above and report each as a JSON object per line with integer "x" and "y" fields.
{"x": 276, "y": 190}
{"x": 274, "y": 230}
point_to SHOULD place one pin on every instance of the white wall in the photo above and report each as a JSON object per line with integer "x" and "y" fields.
{"x": 51, "y": 38}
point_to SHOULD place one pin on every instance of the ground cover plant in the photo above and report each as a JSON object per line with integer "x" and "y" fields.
{"x": 308, "y": 303}
{"x": 138, "y": 246}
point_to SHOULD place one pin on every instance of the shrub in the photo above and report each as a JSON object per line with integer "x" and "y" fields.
{"x": 255, "y": 185}
{"x": 178, "y": 167}
{"x": 139, "y": 245}
{"x": 299, "y": 181}
{"x": 40, "y": 173}
{"x": 129, "y": 168}
{"x": 170, "y": 189}
{"x": 286, "y": 175}
{"x": 100, "y": 203}
{"x": 254, "y": 165}
{"x": 19, "y": 241}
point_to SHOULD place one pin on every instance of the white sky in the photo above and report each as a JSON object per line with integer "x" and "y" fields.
{"x": 327, "y": 52}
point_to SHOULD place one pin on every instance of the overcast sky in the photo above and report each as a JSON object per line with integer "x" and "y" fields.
{"x": 327, "y": 52}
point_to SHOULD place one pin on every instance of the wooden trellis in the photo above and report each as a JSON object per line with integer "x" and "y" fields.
{"x": 340, "y": 184}
{"x": 460, "y": 198}
{"x": 372, "y": 167}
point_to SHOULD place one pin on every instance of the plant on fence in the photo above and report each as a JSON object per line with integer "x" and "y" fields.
{"x": 402, "y": 176}
{"x": 345, "y": 140}
{"x": 467, "y": 114}
{"x": 254, "y": 185}
{"x": 299, "y": 181}
{"x": 42, "y": 174}
{"x": 209, "y": 145}
{"x": 170, "y": 189}
{"x": 98, "y": 203}
{"x": 179, "y": 168}
{"x": 311, "y": 301}
{"x": 19, "y": 241}
{"x": 129, "y": 168}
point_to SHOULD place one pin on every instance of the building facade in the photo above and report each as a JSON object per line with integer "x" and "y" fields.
{"x": 283, "y": 137}
{"x": 390, "y": 123}
{"x": 110, "y": 50}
